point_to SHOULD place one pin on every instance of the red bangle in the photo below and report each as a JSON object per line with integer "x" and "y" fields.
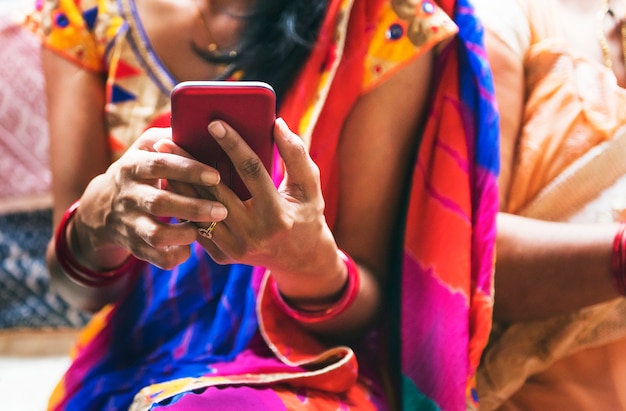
{"x": 618, "y": 260}
{"x": 75, "y": 270}
{"x": 349, "y": 294}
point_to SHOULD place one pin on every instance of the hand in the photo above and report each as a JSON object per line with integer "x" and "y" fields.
{"x": 126, "y": 210}
{"x": 282, "y": 229}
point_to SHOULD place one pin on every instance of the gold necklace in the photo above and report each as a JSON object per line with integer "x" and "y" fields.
{"x": 212, "y": 47}
{"x": 606, "y": 53}
{"x": 604, "y": 45}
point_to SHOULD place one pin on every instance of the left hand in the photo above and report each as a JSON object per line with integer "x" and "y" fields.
{"x": 282, "y": 229}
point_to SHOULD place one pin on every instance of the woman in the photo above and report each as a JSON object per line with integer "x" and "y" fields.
{"x": 177, "y": 323}
{"x": 559, "y": 333}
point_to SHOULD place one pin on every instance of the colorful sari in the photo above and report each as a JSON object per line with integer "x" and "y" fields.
{"x": 446, "y": 289}
{"x": 203, "y": 328}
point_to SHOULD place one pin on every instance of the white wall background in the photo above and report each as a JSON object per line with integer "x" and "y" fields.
{"x": 19, "y": 390}
{"x": 8, "y": 6}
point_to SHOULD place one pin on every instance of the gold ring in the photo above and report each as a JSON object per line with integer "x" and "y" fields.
{"x": 208, "y": 231}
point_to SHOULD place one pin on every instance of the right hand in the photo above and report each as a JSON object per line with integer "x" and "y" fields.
{"x": 126, "y": 210}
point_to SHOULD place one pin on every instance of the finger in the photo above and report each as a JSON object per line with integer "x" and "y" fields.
{"x": 184, "y": 189}
{"x": 203, "y": 191}
{"x": 157, "y": 233}
{"x": 163, "y": 244}
{"x": 168, "y": 146}
{"x": 213, "y": 250}
{"x": 166, "y": 258}
{"x": 302, "y": 176}
{"x": 218, "y": 192}
{"x": 162, "y": 203}
{"x": 247, "y": 164}
{"x": 149, "y": 137}
{"x": 214, "y": 243}
{"x": 168, "y": 166}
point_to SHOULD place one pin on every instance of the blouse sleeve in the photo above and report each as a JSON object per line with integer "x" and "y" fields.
{"x": 75, "y": 29}
{"x": 405, "y": 30}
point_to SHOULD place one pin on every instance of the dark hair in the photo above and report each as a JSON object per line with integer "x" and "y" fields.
{"x": 278, "y": 38}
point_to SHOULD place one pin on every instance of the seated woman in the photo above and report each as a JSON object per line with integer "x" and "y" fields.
{"x": 205, "y": 299}
{"x": 559, "y": 334}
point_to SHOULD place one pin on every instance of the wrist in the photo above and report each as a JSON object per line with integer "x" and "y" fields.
{"x": 317, "y": 275}
{"x": 87, "y": 245}
{"x": 65, "y": 245}
{"x": 318, "y": 309}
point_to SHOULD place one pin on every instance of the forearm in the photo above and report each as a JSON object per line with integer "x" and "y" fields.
{"x": 67, "y": 262}
{"x": 545, "y": 269}
{"x": 82, "y": 296}
{"x": 323, "y": 283}
{"x": 350, "y": 325}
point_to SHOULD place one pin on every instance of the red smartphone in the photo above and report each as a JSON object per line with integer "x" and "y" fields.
{"x": 247, "y": 106}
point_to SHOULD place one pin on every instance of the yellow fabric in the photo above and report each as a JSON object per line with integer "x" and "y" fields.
{"x": 115, "y": 46}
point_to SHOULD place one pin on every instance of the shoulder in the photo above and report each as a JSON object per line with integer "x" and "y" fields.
{"x": 78, "y": 30}
{"x": 403, "y": 31}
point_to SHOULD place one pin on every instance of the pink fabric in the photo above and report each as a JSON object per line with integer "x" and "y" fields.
{"x": 229, "y": 399}
{"x": 23, "y": 128}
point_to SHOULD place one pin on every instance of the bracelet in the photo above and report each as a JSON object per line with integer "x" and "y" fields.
{"x": 618, "y": 260}
{"x": 348, "y": 294}
{"x": 75, "y": 270}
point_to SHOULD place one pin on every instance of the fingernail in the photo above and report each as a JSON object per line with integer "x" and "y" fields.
{"x": 219, "y": 212}
{"x": 282, "y": 126}
{"x": 210, "y": 178}
{"x": 161, "y": 147}
{"x": 217, "y": 129}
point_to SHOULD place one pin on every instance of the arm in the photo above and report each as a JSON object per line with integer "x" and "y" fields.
{"x": 545, "y": 268}
{"x": 121, "y": 203}
{"x": 78, "y": 152}
{"x": 78, "y": 146}
{"x": 375, "y": 159}
{"x": 286, "y": 230}
{"x": 120, "y": 206}
{"x": 542, "y": 268}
